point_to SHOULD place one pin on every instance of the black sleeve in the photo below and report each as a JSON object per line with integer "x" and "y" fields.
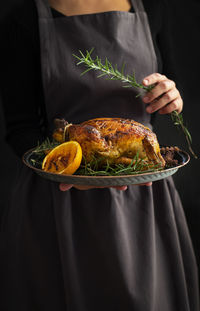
{"x": 21, "y": 85}
{"x": 161, "y": 18}
{"x": 165, "y": 42}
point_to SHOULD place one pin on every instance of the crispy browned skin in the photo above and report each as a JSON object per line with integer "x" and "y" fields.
{"x": 115, "y": 139}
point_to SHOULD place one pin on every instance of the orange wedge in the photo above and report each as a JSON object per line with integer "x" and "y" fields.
{"x": 63, "y": 159}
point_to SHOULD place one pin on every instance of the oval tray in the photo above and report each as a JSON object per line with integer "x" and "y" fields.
{"x": 182, "y": 156}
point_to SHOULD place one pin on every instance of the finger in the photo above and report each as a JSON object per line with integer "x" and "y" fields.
{"x": 122, "y": 188}
{"x": 163, "y": 101}
{"x": 161, "y": 88}
{"x": 145, "y": 184}
{"x": 176, "y": 105}
{"x": 153, "y": 78}
{"x": 79, "y": 187}
{"x": 65, "y": 187}
{"x": 82, "y": 187}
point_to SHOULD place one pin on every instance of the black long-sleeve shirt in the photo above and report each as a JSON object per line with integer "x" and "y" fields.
{"x": 20, "y": 70}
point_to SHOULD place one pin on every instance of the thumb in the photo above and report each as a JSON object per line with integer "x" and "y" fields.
{"x": 65, "y": 187}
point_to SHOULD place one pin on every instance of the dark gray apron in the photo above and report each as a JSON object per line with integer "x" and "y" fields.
{"x": 100, "y": 249}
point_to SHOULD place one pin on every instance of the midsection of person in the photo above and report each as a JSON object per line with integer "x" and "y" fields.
{"x": 79, "y": 7}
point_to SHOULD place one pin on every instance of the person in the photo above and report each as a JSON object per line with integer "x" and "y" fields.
{"x": 71, "y": 247}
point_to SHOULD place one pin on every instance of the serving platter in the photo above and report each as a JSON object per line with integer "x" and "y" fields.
{"x": 103, "y": 181}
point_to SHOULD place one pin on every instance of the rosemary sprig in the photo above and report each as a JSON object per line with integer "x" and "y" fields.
{"x": 107, "y": 70}
{"x": 177, "y": 118}
{"x": 41, "y": 150}
{"x": 45, "y": 146}
{"x": 95, "y": 167}
{"x": 112, "y": 73}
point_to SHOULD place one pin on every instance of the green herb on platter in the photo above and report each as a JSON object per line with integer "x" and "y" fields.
{"x": 95, "y": 167}
{"x": 112, "y": 73}
{"x": 41, "y": 151}
{"x": 46, "y": 145}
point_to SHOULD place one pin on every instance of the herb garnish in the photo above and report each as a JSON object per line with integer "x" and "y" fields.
{"x": 45, "y": 146}
{"x": 41, "y": 151}
{"x": 137, "y": 165}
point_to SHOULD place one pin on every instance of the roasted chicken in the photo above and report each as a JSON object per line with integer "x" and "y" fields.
{"x": 115, "y": 140}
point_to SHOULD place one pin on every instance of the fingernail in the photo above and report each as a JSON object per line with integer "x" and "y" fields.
{"x": 145, "y": 81}
{"x": 149, "y": 109}
{"x": 145, "y": 99}
{"x": 124, "y": 188}
{"x": 64, "y": 187}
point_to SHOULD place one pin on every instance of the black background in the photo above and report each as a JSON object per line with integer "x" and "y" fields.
{"x": 185, "y": 17}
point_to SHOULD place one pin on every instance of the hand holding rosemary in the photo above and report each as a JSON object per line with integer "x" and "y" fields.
{"x": 113, "y": 73}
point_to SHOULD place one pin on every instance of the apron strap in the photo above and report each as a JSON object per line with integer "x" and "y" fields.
{"x": 138, "y": 5}
{"x": 43, "y": 9}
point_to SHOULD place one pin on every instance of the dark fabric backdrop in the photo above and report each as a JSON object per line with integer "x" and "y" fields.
{"x": 185, "y": 17}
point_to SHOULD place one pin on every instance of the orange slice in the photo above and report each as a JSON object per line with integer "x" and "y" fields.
{"x": 63, "y": 159}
